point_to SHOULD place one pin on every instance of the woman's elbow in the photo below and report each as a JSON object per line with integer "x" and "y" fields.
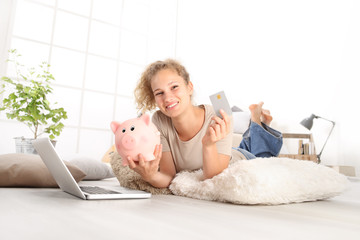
{"x": 208, "y": 174}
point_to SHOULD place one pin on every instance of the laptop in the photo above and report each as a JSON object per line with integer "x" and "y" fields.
{"x": 67, "y": 182}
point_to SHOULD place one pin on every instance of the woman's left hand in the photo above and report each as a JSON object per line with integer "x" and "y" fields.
{"x": 147, "y": 169}
{"x": 217, "y": 130}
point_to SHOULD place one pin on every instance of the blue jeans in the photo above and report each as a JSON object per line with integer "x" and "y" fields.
{"x": 260, "y": 141}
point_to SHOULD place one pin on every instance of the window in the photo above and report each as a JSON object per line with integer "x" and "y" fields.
{"x": 97, "y": 50}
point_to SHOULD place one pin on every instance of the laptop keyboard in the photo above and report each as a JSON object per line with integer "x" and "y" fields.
{"x": 97, "y": 190}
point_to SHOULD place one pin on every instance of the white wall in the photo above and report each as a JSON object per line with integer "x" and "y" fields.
{"x": 299, "y": 57}
{"x": 97, "y": 50}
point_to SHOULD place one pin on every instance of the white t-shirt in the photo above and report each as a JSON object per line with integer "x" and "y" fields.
{"x": 187, "y": 155}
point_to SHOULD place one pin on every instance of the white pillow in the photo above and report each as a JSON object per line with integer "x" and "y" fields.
{"x": 94, "y": 169}
{"x": 267, "y": 181}
{"x": 241, "y": 121}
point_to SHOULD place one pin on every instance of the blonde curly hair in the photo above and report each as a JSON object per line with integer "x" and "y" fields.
{"x": 144, "y": 96}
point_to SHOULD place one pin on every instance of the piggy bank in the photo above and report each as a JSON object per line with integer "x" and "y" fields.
{"x": 135, "y": 136}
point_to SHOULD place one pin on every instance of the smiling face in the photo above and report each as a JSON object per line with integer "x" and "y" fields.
{"x": 172, "y": 93}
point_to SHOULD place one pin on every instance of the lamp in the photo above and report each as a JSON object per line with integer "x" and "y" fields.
{"x": 308, "y": 123}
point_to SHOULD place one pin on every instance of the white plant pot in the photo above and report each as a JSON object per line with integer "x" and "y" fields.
{"x": 24, "y": 145}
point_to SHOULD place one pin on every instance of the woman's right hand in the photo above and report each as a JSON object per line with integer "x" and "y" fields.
{"x": 218, "y": 129}
{"x": 147, "y": 169}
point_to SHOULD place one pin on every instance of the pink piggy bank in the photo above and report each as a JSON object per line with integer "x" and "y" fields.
{"x": 134, "y": 136}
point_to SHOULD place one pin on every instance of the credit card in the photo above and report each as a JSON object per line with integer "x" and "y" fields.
{"x": 219, "y": 101}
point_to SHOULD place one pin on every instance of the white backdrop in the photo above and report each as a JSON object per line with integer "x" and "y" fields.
{"x": 299, "y": 57}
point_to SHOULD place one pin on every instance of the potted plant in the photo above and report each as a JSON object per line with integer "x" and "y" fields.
{"x": 26, "y": 100}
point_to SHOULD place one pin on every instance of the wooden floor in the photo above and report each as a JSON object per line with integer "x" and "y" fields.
{"x": 34, "y": 213}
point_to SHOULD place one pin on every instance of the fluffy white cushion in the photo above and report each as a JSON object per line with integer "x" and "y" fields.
{"x": 267, "y": 181}
{"x": 94, "y": 169}
{"x": 241, "y": 121}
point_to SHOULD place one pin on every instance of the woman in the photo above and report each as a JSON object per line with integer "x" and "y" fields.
{"x": 193, "y": 137}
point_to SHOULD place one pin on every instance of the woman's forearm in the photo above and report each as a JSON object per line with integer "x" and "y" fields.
{"x": 160, "y": 180}
{"x": 213, "y": 163}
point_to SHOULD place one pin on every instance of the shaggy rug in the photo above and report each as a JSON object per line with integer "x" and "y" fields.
{"x": 265, "y": 181}
{"x": 130, "y": 179}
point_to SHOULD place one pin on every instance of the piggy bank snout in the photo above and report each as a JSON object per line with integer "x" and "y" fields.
{"x": 128, "y": 142}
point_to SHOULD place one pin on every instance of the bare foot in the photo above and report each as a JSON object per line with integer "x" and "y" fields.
{"x": 256, "y": 112}
{"x": 266, "y": 117}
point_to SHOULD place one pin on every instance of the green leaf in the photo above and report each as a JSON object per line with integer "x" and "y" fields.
{"x": 27, "y": 89}
{"x": 12, "y": 96}
{"x": 10, "y": 115}
{"x": 8, "y": 80}
{"x": 25, "y": 78}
